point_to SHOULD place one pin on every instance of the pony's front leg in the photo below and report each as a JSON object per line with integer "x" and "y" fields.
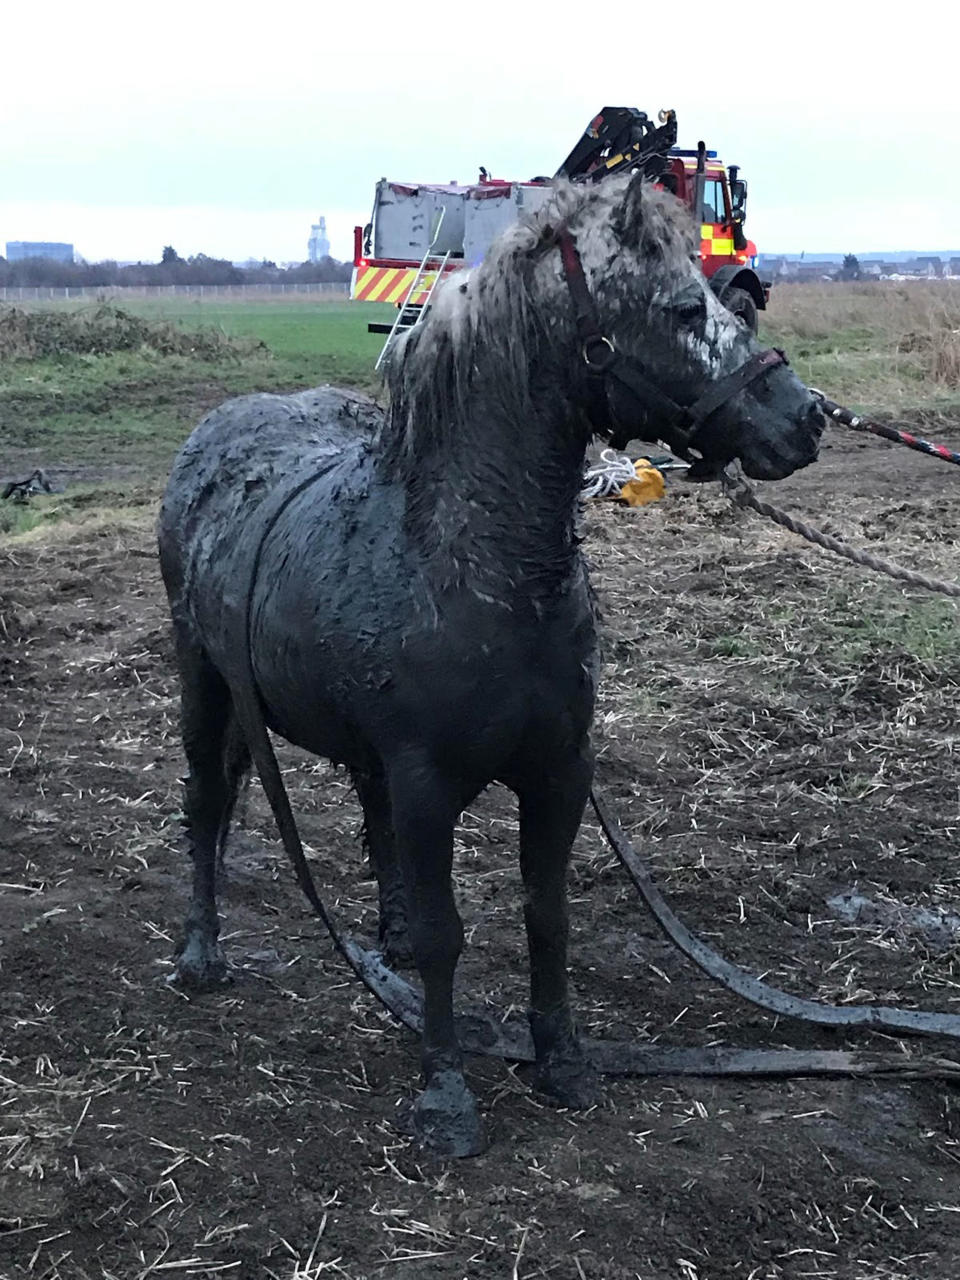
{"x": 551, "y": 807}
{"x": 446, "y": 1118}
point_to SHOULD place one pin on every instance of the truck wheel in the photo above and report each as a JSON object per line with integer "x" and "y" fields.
{"x": 743, "y": 307}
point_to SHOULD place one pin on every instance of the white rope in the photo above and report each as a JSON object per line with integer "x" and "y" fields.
{"x": 613, "y": 471}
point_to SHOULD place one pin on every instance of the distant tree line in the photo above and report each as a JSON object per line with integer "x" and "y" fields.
{"x": 171, "y": 269}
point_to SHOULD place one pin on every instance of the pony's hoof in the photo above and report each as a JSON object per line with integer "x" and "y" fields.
{"x": 396, "y": 948}
{"x": 446, "y": 1120}
{"x": 563, "y": 1074}
{"x": 569, "y": 1083}
{"x": 200, "y": 969}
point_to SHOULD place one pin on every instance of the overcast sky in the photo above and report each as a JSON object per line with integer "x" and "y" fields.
{"x": 226, "y": 129}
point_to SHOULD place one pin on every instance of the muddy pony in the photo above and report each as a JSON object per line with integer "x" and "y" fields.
{"x": 418, "y": 608}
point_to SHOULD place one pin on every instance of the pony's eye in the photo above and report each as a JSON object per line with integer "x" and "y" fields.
{"x": 691, "y": 310}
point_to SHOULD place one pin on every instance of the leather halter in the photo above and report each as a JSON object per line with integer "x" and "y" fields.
{"x": 678, "y": 425}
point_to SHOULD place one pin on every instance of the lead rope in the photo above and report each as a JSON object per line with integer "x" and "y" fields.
{"x": 852, "y": 420}
{"x": 739, "y": 490}
{"x": 744, "y": 984}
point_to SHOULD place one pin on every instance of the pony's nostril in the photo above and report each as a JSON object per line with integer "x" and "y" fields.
{"x": 814, "y": 418}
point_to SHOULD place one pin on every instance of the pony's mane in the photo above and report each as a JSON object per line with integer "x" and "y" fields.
{"x": 497, "y": 316}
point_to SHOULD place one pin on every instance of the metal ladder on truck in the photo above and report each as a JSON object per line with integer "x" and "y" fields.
{"x": 410, "y": 314}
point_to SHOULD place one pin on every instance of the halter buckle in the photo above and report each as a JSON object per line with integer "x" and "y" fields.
{"x": 605, "y": 353}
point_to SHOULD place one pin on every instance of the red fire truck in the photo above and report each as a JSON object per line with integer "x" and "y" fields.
{"x": 420, "y": 232}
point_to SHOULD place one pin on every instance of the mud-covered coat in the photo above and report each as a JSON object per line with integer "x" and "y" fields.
{"x": 344, "y": 611}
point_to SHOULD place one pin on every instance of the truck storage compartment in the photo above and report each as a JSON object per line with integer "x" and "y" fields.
{"x": 491, "y": 209}
{"x": 406, "y": 217}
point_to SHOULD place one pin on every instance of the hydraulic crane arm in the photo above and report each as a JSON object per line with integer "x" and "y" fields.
{"x": 621, "y": 138}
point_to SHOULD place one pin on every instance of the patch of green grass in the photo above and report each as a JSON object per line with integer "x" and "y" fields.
{"x": 332, "y": 332}
{"x": 17, "y": 518}
{"x": 928, "y": 629}
{"x": 735, "y": 646}
{"x": 41, "y": 515}
{"x": 135, "y": 408}
{"x": 649, "y": 703}
{"x": 839, "y": 632}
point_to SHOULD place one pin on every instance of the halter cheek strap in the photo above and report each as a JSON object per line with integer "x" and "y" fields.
{"x": 613, "y": 375}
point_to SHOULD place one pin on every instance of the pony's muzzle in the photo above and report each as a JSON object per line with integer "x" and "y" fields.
{"x": 776, "y": 456}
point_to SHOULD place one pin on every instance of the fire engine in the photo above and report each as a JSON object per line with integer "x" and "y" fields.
{"x": 420, "y": 232}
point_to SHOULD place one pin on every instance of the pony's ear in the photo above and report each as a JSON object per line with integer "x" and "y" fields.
{"x": 630, "y": 217}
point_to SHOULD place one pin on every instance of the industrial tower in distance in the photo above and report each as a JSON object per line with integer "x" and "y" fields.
{"x": 318, "y": 246}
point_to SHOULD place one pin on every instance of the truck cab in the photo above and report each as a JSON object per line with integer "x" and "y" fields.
{"x": 717, "y": 198}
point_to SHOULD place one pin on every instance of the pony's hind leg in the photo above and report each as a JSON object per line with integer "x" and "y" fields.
{"x": 217, "y": 759}
{"x": 551, "y": 807}
{"x": 374, "y": 796}
{"x": 236, "y": 768}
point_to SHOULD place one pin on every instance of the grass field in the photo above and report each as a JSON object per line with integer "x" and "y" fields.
{"x": 888, "y": 349}
{"x": 292, "y": 327}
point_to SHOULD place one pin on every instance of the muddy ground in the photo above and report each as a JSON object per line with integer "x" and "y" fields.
{"x": 778, "y": 733}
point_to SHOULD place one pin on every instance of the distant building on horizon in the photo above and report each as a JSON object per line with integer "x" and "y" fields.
{"x": 53, "y": 250}
{"x": 318, "y": 246}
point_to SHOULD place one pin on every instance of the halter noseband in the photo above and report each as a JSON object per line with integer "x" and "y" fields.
{"x": 678, "y": 425}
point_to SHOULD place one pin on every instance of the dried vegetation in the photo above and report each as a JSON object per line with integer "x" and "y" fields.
{"x": 105, "y": 329}
{"x": 886, "y": 345}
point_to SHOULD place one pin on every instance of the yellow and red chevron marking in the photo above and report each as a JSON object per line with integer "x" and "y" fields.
{"x": 389, "y": 284}
{"x": 715, "y": 241}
